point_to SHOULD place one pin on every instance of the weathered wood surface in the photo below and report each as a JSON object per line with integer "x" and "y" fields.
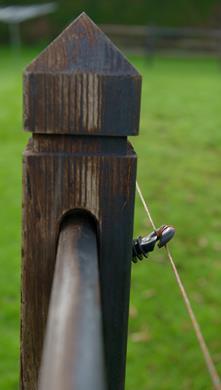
{"x": 54, "y": 184}
{"x": 64, "y": 172}
{"x": 82, "y": 84}
{"x": 73, "y": 356}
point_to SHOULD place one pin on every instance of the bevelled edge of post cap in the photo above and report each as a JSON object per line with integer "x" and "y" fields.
{"x": 82, "y": 84}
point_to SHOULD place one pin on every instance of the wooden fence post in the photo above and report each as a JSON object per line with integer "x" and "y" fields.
{"x": 81, "y": 101}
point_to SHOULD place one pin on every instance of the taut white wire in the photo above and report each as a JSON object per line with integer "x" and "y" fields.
{"x": 145, "y": 206}
{"x": 205, "y": 351}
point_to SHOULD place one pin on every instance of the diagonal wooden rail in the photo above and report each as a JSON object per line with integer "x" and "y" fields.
{"x": 73, "y": 354}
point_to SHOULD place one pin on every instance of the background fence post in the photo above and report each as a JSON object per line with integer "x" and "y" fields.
{"x": 81, "y": 101}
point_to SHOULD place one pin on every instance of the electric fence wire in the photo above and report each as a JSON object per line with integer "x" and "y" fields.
{"x": 205, "y": 351}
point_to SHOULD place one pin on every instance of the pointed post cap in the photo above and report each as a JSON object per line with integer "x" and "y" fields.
{"x": 82, "y": 84}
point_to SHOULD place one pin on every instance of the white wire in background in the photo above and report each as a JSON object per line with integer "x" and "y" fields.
{"x": 205, "y": 351}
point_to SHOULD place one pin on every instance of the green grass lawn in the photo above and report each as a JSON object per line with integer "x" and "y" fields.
{"x": 179, "y": 171}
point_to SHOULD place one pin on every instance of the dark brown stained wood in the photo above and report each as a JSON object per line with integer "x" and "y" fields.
{"x": 82, "y": 84}
{"x": 73, "y": 356}
{"x": 55, "y": 183}
{"x": 80, "y": 144}
{"x": 76, "y": 162}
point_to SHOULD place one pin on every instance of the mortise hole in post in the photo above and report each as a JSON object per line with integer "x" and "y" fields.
{"x": 85, "y": 215}
{"x": 78, "y": 212}
{"x": 75, "y": 316}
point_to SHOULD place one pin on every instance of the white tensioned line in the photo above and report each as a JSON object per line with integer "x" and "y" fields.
{"x": 205, "y": 351}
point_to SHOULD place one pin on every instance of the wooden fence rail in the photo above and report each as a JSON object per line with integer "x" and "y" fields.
{"x": 73, "y": 355}
{"x": 154, "y": 39}
{"x": 81, "y": 101}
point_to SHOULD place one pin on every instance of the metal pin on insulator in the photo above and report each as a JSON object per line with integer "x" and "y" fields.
{"x": 143, "y": 245}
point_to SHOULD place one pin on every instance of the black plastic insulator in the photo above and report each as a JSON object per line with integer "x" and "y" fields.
{"x": 143, "y": 245}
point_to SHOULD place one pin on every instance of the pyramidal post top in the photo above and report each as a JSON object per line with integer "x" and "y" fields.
{"x": 82, "y": 84}
{"x": 82, "y": 46}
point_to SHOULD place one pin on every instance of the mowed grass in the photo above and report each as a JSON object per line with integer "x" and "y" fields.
{"x": 179, "y": 165}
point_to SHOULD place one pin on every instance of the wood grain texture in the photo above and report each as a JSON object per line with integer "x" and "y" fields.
{"x": 82, "y": 84}
{"x": 54, "y": 184}
{"x": 82, "y": 98}
{"x": 73, "y": 355}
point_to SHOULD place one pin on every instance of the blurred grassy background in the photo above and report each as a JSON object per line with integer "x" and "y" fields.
{"x": 179, "y": 150}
